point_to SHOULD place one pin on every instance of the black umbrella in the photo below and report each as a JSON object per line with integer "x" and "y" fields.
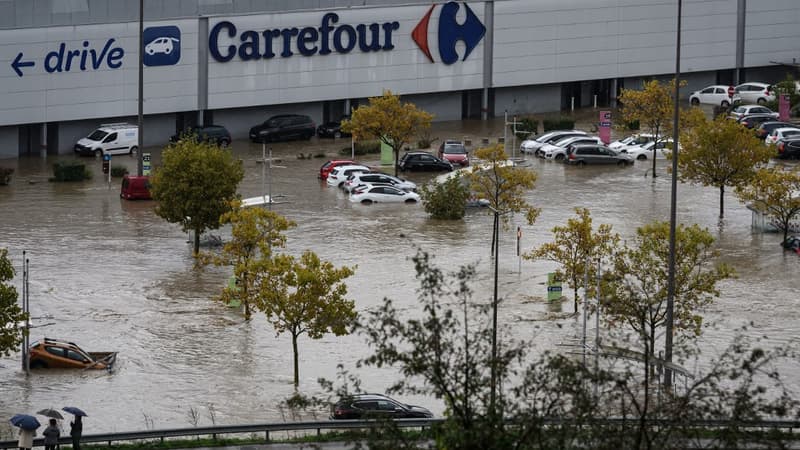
{"x": 49, "y": 412}
{"x": 74, "y": 411}
{"x": 25, "y": 422}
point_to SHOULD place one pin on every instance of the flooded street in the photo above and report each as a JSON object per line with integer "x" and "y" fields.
{"x": 109, "y": 274}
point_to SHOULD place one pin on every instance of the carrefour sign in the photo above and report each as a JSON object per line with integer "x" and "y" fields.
{"x": 227, "y": 42}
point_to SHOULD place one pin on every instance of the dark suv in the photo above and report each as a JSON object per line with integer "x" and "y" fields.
{"x": 333, "y": 129}
{"x": 423, "y": 161}
{"x": 285, "y": 127}
{"x": 210, "y": 133}
{"x": 582, "y": 154}
{"x": 376, "y": 406}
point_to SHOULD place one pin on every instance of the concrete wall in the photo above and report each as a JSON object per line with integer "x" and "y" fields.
{"x": 772, "y": 32}
{"x": 239, "y": 121}
{"x": 527, "y": 99}
{"x": 443, "y": 105}
{"x": 9, "y": 142}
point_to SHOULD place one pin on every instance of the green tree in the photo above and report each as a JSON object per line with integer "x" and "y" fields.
{"x": 255, "y": 232}
{"x": 306, "y": 296}
{"x": 637, "y": 296}
{"x": 720, "y": 153}
{"x": 10, "y": 313}
{"x": 445, "y": 200}
{"x": 776, "y": 192}
{"x": 574, "y": 244}
{"x": 651, "y": 107}
{"x": 194, "y": 185}
{"x": 389, "y": 120}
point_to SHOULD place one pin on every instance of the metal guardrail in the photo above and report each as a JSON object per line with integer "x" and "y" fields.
{"x": 215, "y": 431}
{"x": 792, "y": 427}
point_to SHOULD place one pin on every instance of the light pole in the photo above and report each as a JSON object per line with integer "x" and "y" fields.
{"x": 140, "y": 122}
{"x": 672, "y": 214}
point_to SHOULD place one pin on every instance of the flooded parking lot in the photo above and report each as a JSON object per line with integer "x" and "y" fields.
{"x": 109, "y": 274}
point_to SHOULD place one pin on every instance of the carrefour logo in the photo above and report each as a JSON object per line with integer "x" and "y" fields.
{"x": 450, "y": 32}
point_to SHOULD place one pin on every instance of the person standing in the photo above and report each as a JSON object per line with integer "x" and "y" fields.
{"x": 75, "y": 431}
{"x": 26, "y": 439}
{"x": 51, "y": 435}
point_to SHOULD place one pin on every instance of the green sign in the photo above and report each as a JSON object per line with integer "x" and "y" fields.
{"x": 387, "y": 155}
{"x": 145, "y": 164}
{"x": 553, "y": 287}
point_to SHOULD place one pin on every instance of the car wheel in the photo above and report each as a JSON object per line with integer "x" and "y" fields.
{"x": 38, "y": 364}
{"x": 641, "y": 158}
{"x": 337, "y": 135}
{"x": 224, "y": 143}
{"x": 366, "y": 201}
{"x": 761, "y": 101}
{"x": 411, "y": 200}
{"x": 560, "y": 157}
{"x": 622, "y": 163}
{"x": 695, "y": 101}
{"x": 98, "y": 153}
{"x": 581, "y": 163}
{"x": 134, "y": 151}
{"x": 725, "y": 104}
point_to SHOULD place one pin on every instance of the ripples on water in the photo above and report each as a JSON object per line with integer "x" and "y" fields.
{"x": 110, "y": 275}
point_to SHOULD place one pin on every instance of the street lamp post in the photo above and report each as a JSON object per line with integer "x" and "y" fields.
{"x": 140, "y": 122}
{"x": 672, "y": 214}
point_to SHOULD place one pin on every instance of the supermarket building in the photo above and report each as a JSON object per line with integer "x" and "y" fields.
{"x": 66, "y": 66}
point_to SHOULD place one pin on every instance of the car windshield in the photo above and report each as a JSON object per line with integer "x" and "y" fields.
{"x": 97, "y": 135}
{"x": 455, "y": 149}
{"x": 639, "y": 140}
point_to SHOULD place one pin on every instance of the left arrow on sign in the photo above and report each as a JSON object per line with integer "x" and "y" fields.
{"x": 19, "y": 63}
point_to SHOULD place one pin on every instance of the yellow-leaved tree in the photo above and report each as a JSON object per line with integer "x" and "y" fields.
{"x": 775, "y": 192}
{"x": 389, "y": 120}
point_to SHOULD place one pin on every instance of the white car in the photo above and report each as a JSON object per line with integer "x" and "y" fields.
{"x": 160, "y": 45}
{"x": 360, "y": 178}
{"x": 780, "y": 134}
{"x": 713, "y": 95}
{"x": 749, "y": 110}
{"x": 110, "y": 139}
{"x": 558, "y": 150}
{"x": 634, "y": 139}
{"x": 760, "y": 93}
{"x": 369, "y": 193}
{"x": 339, "y": 174}
{"x": 533, "y": 145}
{"x": 645, "y": 151}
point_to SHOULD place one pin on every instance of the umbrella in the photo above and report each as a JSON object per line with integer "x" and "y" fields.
{"x": 49, "y": 412}
{"x": 74, "y": 411}
{"x": 25, "y": 422}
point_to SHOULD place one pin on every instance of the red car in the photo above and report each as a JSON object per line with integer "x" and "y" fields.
{"x": 329, "y": 166}
{"x": 454, "y": 152}
{"x": 135, "y": 188}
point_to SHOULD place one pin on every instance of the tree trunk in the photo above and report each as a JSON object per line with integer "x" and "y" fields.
{"x": 652, "y": 347}
{"x": 575, "y": 299}
{"x": 642, "y": 434}
{"x": 296, "y": 366}
{"x": 396, "y": 159}
{"x": 721, "y": 201}
{"x": 654, "y": 161}
{"x": 196, "y": 241}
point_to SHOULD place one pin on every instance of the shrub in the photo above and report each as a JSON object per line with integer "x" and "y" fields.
{"x": 558, "y": 123}
{"x": 70, "y": 171}
{"x": 5, "y": 175}
{"x": 446, "y": 200}
{"x": 363, "y": 148}
{"x": 319, "y": 155}
{"x": 529, "y": 126}
{"x": 633, "y": 125}
{"x": 425, "y": 141}
{"x": 119, "y": 171}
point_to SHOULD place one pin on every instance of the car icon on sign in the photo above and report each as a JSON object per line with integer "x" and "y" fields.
{"x": 160, "y": 45}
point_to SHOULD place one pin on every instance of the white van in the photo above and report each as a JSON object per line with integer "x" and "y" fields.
{"x": 110, "y": 139}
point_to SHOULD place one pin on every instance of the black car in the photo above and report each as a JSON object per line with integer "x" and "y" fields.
{"x": 284, "y": 127}
{"x": 753, "y": 121}
{"x": 583, "y": 154}
{"x": 766, "y": 128}
{"x": 423, "y": 161}
{"x": 210, "y": 133}
{"x": 789, "y": 149}
{"x": 332, "y": 129}
{"x": 366, "y": 406}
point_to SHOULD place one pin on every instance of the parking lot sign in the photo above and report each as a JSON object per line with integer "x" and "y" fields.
{"x": 553, "y": 287}
{"x": 146, "y": 164}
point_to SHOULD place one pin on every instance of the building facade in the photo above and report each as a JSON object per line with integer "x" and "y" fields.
{"x": 66, "y": 66}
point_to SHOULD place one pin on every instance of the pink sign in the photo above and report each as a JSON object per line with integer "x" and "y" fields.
{"x": 783, "y": 107}
{"x": 605, "y": 127}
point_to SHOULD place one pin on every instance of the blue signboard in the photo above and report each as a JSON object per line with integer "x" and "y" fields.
{"x": 162, "y": 46}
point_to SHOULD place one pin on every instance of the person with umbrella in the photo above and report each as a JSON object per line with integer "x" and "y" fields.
{"x": 27, "y": 429}
{"x": 76, "y": 427}
{"x": 51, "y": 435}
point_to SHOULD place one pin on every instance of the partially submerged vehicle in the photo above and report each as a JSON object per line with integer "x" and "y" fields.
{"x": 57, "y": 354}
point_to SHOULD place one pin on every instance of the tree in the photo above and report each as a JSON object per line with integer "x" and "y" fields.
{"x": 255, "y": 232}
{"x": 389, "y": 120}
{"x": 637, "y": 296}
{"x": 776, "y": 192}
{"x": 194, "y": 185}
{"x": 720, "y": 153}
{"x": 574, "y": 244}
{"x": 651, "y": 107}
{"x": 445, "y": 200}
{"x": 306, "y": 296}
{"x": 10, "y": 313}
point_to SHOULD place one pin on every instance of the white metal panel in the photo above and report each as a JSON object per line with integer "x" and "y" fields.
{"x": 298, "y": 78}
{"x": 104, "y": 91}
{"x": 551, "y": 41}
{"x": 772, "y": 32}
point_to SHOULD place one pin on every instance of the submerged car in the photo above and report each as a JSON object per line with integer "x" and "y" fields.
{"x": 382, "y": 193}
{"x": 454, "y": 152}
{"x": 333, "y": 129}
{"x": 57, "y": 354}
{"x": 376, "y": 406}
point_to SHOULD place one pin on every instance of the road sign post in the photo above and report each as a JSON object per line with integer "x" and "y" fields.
{"x": 146, "y": 164}
{"x": 107, "y": 167}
